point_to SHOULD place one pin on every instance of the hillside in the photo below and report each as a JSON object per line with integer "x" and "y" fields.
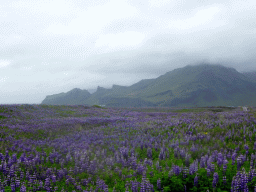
{"x": 250, "y": 75}
{"x": 200, "y": 85}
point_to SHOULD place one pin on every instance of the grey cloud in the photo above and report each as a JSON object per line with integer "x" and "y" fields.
{"x": 57, "y": 52}
{"x": 147, "y": 63}
{"x": 133, "y": 24}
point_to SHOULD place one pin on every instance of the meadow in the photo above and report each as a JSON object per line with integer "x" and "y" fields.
{"x": 79, "y": 148}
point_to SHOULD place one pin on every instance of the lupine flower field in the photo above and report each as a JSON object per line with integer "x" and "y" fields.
{"x": 79, "y": 148}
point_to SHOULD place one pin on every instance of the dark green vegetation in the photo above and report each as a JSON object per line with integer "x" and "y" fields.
{"x": 191, "y": 86}
{"x": 78, "y": 148}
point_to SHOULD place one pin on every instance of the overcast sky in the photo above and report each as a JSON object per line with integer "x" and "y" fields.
{"x": 52, "y": 46}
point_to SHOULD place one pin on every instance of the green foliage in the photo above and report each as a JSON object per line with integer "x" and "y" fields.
{"x": 216, "y": 110}
{"x": 2, "y": 117}
{"x": 5, "y": 110}
{"x": 189, "y": 110}
{"x": 97, "y": 106}
{"x": 174, "y": 183}
{"x": 66, "y": 113}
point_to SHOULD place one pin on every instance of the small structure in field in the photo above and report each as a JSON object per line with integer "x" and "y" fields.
{"x": 245, "y": 109}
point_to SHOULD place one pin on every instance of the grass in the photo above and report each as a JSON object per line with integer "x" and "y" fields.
{"x": 188, "y": 110}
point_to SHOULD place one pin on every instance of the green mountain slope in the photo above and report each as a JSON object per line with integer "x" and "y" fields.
{"x": 200, "y": 85}
{"x": 74, "y": 97}
{"x": 250, "y": 75}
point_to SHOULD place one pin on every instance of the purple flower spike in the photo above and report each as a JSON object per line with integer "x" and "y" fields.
{"x": 246, "y": 147}
{"x": 23, "y": 188}
{"x": 215, "y": 180}
{"x": 158, "y": 184}
{"x": 224, "y": 180}
{"x": 196, "y": 181}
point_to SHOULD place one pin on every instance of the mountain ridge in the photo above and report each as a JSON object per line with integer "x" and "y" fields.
{"x": 198, "y": 85}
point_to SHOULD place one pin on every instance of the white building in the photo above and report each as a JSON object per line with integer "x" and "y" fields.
{"x": 245, "y": 109}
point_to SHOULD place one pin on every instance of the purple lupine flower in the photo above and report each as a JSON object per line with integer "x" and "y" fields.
{"x": 157, "y": 165}
{"x": 149, "y": 153}
{"x": 224, "y": 169}
{"x": 170, "y": 174}
{"x": 33, "y": 178}
{"x": 11, "y": 171}
{"x": 162, "y": 154}
{"x": 215, "y": 179}
{"x": 229, "y": 155}
{"x": 141, "y": 146}
{"x": 7, "y": 155}
{"x": 202, "y": 164}
{"x": 140, "y": 169}
{"x": 225, "y": 162}
{"x": 14, "y": 158}
{"x": 79, "y": 188}
{"x": 254, "y": 148}
{"x": 187, "y": 158}
{"x": 144, "y": 182}
{"x": 246, "y": 147}
{"x": 196, "y": 181}
{"x": 208, "y": 172}
{"x": 244, "y": 179}
{"x": 149, "y": 186}
{"x": 233, "y": 184}
{"x": 192, "y": 169}
{"x": 159, "y": 184}
{"x": 246, "y": 189}
{"x": 23, "y": 188}
{"x": 185, "y": 172}
{"x": 176, "y": 152}
{"x": 17, "y": 183}
{"x": 13, "y": 187}
{"x": 176, "y": 170}
{"x": 134, "y": 186}
{"x": 220, "y": 156}
{"x": 53, "y": 178}
{"x": 196, "y": 165}
{"x": 47, "y": 181}
{"x": 224, "y": 180}
{"x": 2, "y": 157}
{"x": 233, "y": 158}
{"x": 250, "y": 175}
{"x": 219, "y": 161}
{"x": 239, "y": 163}
{"x": 27, "y": 175}
{"x": 212, "y": 167}
{"x": 21, "y": 175}
{"x": 156, "y": 146}
{"x": 242, "y": 182}
{"x": 40, "y": 185}
{"x": 133, "y": 162}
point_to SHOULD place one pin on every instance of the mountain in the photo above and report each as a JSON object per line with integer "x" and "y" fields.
{"x": 91, "y": 91}
{"x": 201, "y": 85}
{"x": 74, "y": 97}
{"x": 250, "y": 75}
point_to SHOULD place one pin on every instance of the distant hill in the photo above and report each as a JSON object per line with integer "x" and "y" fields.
{"x": 74, "y": 97}
{"x": 91, "y": 91}
{"x": 190, "y": 86}
{"x": 251, "y": 75}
